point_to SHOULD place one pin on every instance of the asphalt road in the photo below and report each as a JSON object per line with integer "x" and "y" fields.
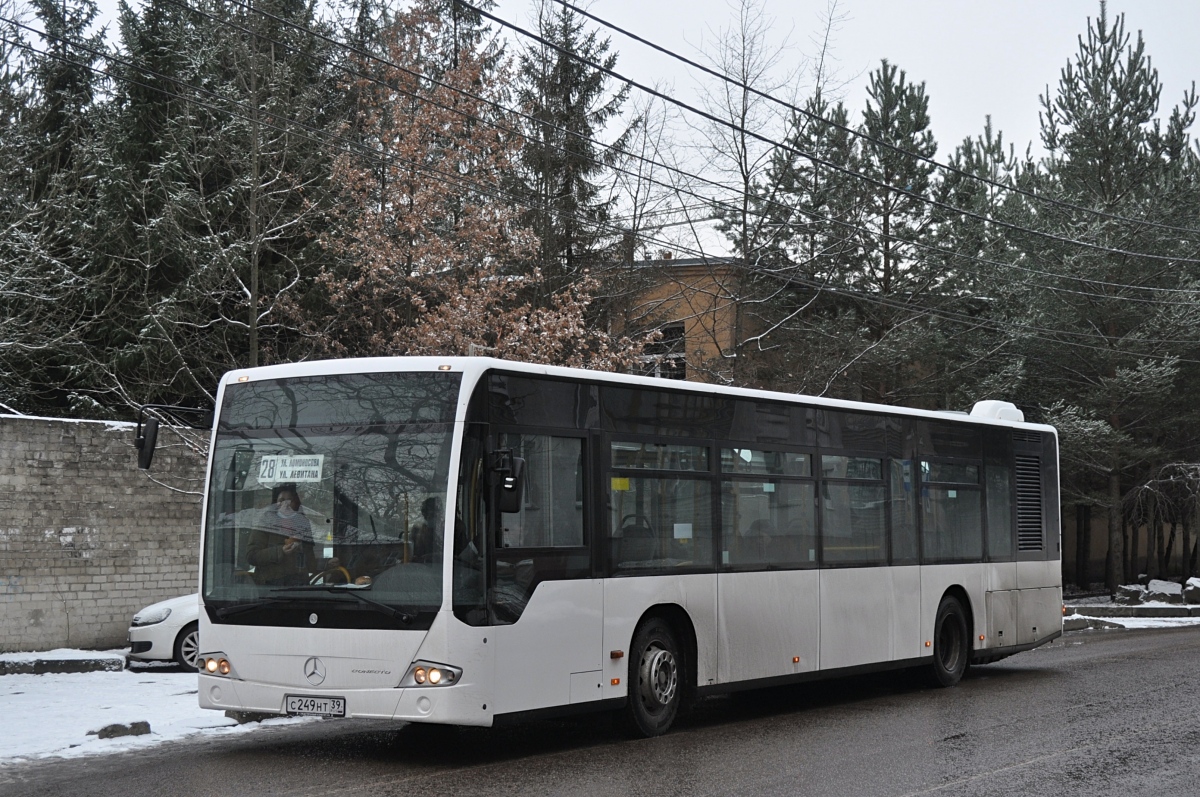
{"x": 1094, "y": 713}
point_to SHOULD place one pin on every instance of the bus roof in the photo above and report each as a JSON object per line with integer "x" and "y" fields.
{"x": 472, "y": 368}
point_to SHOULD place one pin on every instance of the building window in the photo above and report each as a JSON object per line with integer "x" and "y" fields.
{"x": 666, "y": 359}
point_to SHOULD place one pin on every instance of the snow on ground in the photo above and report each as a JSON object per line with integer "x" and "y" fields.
{"x": 60, "y": 654}
{"x": 54, "y": 712}
{"x": 1152, "y": 622}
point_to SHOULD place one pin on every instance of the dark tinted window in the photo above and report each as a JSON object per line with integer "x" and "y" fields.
{"x": 341, "y": 400}
{"x": 771, "y": 463}
{"x": 659, "y": 456}
{"x": 851, "y": 431}
{"x": 838, "y": 467}
{"x": 659, "y": 412}
{"x": 936, "y": 439}
{"x": 949, "y": 472}
{"x": 542, "y": 402}
{"x": 774, "y": 423}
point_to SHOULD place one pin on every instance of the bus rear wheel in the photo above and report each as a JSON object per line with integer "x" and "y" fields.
{"x": 656, "y": 679}
{"x": 951, "y": 646}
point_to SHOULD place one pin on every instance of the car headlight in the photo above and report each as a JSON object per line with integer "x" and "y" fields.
{"x": 151, "y": 616}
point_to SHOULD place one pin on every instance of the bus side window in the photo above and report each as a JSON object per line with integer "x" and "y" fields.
{"x": 551, "y": 514}
{"x": 853, "y": 524}
{"x": 544, "y": 539}
{"x": 904, "y": 512}
{"x": 470, "y": 527}
{"x": 951, "y": 511}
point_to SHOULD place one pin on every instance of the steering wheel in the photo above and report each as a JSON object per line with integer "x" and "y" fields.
{"x": 322, "y": 576}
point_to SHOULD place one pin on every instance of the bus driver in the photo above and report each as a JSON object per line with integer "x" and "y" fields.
{"x": 280, "y": 547}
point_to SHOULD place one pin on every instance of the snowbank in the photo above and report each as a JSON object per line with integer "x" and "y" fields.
{"x": 55, "y": 713}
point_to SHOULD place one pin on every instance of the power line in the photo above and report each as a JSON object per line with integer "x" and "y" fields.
{"x": 488, "y": 191}
{"x": 863, "y": 136}
{"x": 813, "y": 157}
{"x": 673, "y": 169}
{"x": 323, "y": 136}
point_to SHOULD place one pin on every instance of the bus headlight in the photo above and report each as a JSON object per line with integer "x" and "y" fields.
{"x": 424, "y": 673}
{"x": 215, "y": 664}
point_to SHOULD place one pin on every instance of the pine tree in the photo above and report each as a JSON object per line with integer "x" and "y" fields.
{"x": 891, "y": 274}
{"x": 1114, "y": 388}
{"x": 50, "y": 211}
{"x": 568, "y": 105}
{"x": 430, "y": 247}
{"x": 212, "y": 165}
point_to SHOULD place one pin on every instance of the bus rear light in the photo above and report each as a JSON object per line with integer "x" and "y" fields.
{"x": 424, "y": 673}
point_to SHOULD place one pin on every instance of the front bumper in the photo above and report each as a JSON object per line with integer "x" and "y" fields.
{"x": 147, "y": 643}
{"x": 460, "y": 704}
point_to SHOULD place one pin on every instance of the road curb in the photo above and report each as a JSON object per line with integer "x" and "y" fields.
{"x": 1135, "y": 611}
{"x": 1078, "y": 623}
{"x": 47, "y": 666}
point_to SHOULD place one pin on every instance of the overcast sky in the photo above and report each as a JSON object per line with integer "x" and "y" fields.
{"x": 976, "y": 58}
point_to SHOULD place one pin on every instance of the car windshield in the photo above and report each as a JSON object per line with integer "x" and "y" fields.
{"x": 326, "y": 485}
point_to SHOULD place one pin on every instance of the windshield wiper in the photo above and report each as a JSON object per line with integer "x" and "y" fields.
{"x": 357, "y": 594}
{"x": 229, "y": 611}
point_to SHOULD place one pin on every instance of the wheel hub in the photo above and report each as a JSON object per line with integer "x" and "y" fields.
{"x": 659, "y": 676}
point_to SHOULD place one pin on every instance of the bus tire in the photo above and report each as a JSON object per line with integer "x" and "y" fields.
{"x": 656, "y": 679}
{"x": 951, "y": 645}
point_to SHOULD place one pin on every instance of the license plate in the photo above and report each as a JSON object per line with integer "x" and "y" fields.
{"x": 319, "y": 706}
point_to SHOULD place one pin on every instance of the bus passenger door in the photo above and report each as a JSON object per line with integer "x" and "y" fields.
{"x": 546, "y": 609}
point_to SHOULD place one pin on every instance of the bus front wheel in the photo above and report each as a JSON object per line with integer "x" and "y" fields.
{"x": 951, "y": 645}
{"x": 655, "y": 679}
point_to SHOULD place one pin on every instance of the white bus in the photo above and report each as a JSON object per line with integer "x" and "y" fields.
{"x": 473, "y": 541}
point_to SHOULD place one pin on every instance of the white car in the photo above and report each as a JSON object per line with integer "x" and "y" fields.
{"x": 167, "y": 631}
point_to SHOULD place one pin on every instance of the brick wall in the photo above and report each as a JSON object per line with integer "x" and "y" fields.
{"x": 87, "y": 539}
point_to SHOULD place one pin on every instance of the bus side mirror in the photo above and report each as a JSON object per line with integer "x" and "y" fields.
{"x": 510, "y": 480}
{"x": 145, "y": 442}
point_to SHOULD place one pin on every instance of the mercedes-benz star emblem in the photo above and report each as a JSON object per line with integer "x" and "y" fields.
{"x": 314, "y": 671}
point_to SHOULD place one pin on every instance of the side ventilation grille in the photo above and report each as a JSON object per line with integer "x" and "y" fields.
{"x": 1029, "y": 503}
{"x": 1026, "y": 436}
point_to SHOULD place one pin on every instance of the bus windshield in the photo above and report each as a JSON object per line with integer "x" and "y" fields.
{"x": 327, "y": 486}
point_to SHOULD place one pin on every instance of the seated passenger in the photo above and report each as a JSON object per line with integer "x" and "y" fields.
{"x": 425, "y": 536}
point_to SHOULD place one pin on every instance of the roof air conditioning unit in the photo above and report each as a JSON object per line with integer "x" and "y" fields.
{"x": 998, "y": 410}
